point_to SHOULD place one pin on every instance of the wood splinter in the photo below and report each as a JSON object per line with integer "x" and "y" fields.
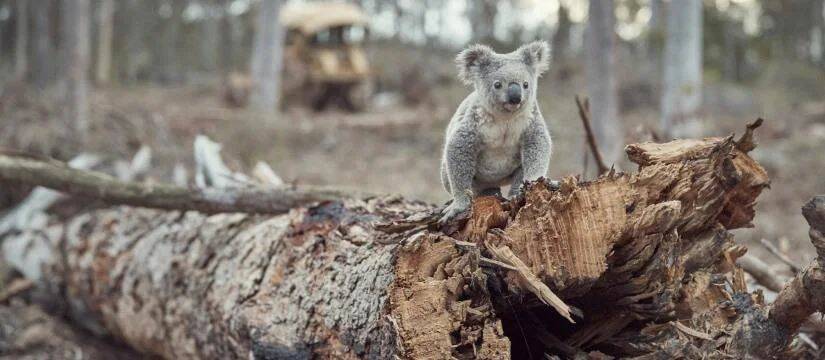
{"x": 530, "y": 281}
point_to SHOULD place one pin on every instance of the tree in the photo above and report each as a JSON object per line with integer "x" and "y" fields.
{"x": 561, "y": 37}
{"x": 682, "y": 89}
{"x": 267, "y": 56}
{"x": 105, "y": 32}
{"x": 21, "y": 43}
{"x": 482, "y": 16}
{"x": 600, "y": 63}
{"x": 42, "y": 66}
{"x": 75, "y": 22}
{"x": 167, "y": 55}
{"x": 226, "y": 38}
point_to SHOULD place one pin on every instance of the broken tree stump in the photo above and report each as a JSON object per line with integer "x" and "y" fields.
{"x": 643, "y": 262}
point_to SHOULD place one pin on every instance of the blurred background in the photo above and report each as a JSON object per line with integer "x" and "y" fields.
{"x": 359, "y": 93}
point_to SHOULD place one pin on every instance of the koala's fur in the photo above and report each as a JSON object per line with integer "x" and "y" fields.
{"x": 490, "y": 141}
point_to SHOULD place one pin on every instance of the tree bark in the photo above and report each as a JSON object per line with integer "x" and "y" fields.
{"x": 601, "y": 79}
{"x": 21, "y": 43}
{"x": 267, "y": 56}
{"x": 76, "y": 53}
{"x": 682, "y": 89}
{"x": 643, "y": 263}
{"x": 105, "y": 36}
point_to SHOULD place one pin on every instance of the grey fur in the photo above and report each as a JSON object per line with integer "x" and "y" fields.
{"x": 491, "y": 142}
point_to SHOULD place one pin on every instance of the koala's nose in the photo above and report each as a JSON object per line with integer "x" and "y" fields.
{"x": 514, "y": 93}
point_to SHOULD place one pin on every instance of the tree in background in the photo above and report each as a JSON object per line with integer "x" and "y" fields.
{"x": 75, "y": 46}
{"x": 21, "y": 43}
{"x": 482, "y": 15}
{"x": 105, "y": 31}
{"x": 42, "y": 65}
{"x": 561, "y": 37}
{"x": 600, "y": 68}
{"x": 682, "y": 89}
{"x": 267, "y": 56}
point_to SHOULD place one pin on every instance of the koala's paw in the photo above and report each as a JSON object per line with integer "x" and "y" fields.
{"x": 453, "y": 210}
{"x": 515, "y": 191}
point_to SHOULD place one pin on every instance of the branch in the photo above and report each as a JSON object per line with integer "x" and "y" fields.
{"x": 758, "y": 334}
{"x": 779, "y": 255}
{"x": 761, "y": 272}
{"x": 584, "y": 114}
{"x": 162, "y": 196}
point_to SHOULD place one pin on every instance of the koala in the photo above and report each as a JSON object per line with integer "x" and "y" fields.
{"x": 497, "y": 135}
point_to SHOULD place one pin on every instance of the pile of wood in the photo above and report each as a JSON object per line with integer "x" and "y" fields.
{"x": 627, "y": 265}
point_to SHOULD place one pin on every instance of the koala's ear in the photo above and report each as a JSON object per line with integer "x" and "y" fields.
{"x": 537, "y": 55}
{"x": 471, "y": 60}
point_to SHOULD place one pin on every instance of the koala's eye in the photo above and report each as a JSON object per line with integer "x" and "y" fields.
{"x": 497, "y": 84}
{"x": 525, "y": 84}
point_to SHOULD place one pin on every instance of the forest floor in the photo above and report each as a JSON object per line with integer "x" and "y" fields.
{"x": 396, "y": 149}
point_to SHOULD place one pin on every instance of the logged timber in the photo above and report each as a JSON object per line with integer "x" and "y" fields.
{"x": 644, "y": 262}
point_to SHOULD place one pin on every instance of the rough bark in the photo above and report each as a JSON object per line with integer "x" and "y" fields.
{"x": 267, "y": 56}
{"x": 643, "y": 262}
{"x": 682, "y": 89}
{"x": 600, "y": 65}
{"x": 29, "y": 333}
{"x": 75, "y": 22}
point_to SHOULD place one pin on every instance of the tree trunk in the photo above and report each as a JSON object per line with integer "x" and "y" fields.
{"x": 267, "y": 56}
{"x": 76, "y": 53}
{"x": 682, "y": 93}
{"x": 643, "y": 263}
{"x": 21, "y": 44}
{"x": 42, "y": 66}
{"x": 561, "y": 38}
{"x": 482, "y": 15}
{"x": 135, "y": 47}
{"x": 227, "y": 40}
{"x": 167, "y": 59}
{"x": 105, "y": 33}
{"x": 210, "y": 34}
{"x": 600, "y": 65}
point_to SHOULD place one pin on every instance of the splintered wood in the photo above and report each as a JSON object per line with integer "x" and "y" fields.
{"x": 565, "y": 236}
{"x": 625, "y": 247}
{"x": 438, "y": 315}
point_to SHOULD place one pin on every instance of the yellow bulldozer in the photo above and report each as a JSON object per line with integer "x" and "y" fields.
{"x": 324, "y": 58}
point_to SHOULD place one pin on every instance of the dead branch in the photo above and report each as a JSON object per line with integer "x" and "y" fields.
{"x": 161, "y": 196}
{"x": 15, "y": 288}
{"x": 780, "y": 255}
{"x": 584, "y": 114}
{"x": 761, "y": 272}
{"x": 40, "y": 199}
{"x": 768, "y": 331}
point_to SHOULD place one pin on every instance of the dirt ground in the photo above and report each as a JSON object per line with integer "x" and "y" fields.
{"x": 396, "y": 149}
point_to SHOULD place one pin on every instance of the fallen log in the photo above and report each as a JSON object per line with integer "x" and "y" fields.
{"x": 644, "y": 262}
